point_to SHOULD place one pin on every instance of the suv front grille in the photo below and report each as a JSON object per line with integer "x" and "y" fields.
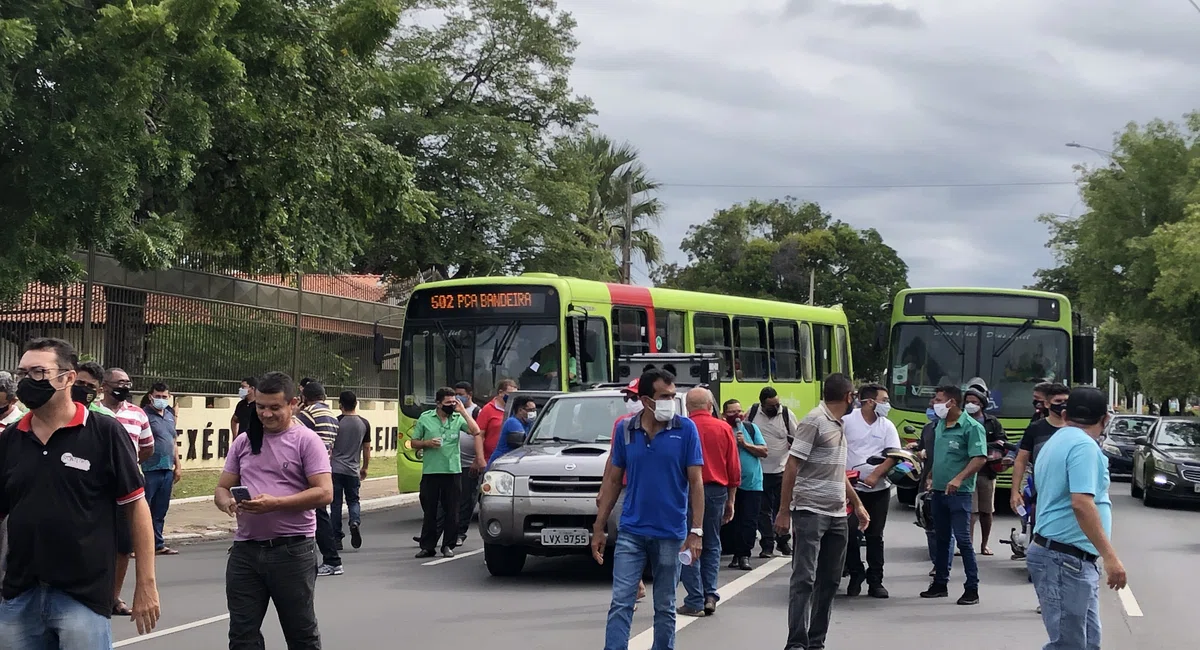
{"x": 535, "y": 523}
{"x": 564, "y": 485}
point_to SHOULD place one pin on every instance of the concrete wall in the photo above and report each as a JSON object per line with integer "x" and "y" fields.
{"x": 204, "y": 436}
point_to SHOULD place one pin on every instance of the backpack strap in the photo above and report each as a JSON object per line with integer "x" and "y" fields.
{"x": 753, "y": 412}
{"x": 787, "y": 425}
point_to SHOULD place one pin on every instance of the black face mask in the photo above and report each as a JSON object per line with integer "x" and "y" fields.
{"x": 1058, "y": 409}
{"x": 448, "y": 409}
{"x": 120, "y": 393}
{"x": 83, "y": 394}
{"x": 771, "y": 411}
{"x": 35, "y": 394}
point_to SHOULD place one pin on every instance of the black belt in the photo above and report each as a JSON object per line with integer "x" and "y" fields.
{"x": 1065, "y": 549}
{"x": 272, "y": 543}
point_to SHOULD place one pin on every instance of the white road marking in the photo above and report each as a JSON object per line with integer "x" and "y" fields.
{"x": 645, "y": 640}
{"x": 1129, "y": 602}
{"x": 458, "y": 556}
{"x": 171, "y": 630}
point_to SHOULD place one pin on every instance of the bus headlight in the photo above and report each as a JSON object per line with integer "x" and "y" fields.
{"x": 497, "y": 484}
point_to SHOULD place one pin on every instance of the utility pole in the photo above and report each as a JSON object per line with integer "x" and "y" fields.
{"x": 812, "y": 286}
{"x": 627, "y": 233}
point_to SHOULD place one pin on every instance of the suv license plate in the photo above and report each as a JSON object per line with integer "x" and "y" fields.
{"x": 566, "y": 537}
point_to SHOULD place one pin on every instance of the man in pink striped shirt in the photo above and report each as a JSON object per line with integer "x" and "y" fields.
{"x": 117, "y": 388}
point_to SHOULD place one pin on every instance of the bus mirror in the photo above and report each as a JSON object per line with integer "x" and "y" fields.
{"x": 880, "y": 337}
{"x": 377, "y": 347}
{"x": 1083, "y": 351}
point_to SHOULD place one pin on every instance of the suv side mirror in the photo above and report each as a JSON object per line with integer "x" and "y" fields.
{"x": 1141, "y": 441}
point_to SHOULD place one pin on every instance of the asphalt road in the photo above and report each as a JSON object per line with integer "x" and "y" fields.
{"x": 388, "y": 598}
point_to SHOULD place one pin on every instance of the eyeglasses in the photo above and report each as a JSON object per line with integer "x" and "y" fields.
{"x": 39, "y": 374}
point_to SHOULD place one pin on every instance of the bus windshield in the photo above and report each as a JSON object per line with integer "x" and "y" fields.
{"x": 1012, "y": 359}
{"x": 438, "y": 354}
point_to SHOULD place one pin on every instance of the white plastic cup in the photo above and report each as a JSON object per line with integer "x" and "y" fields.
{"x": 685, "y": 557}
{"x": 1021, "y": 511}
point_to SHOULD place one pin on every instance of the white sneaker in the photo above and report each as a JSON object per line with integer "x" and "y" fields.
{"x": 328, "y": 570}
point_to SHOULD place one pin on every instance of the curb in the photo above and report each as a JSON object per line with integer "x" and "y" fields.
{"x": 209, "y": 497}
{"x": 368, "y": 505}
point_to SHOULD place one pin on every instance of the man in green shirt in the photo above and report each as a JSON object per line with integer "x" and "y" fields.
{"x": 87, "y": 382}
{"x": 436, "y": 434}
{"x": 960, "y": 451}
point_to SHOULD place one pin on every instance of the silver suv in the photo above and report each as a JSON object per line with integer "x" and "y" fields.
{"x": 540, "y": 499}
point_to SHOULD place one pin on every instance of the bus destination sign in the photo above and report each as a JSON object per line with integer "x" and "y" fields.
{"x": 981, "y": 304}
{"x": 483, "y": 301}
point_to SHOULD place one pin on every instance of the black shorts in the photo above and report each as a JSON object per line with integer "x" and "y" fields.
{"x": 124, "y": 535}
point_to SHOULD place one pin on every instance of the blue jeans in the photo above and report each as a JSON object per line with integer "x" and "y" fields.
{"x": 1068, "y": 590}
{"x": 345, "y": 486}
{"x": 45, "y": 618}
{"x": 700, "y": 577}
{"x": 632, "y": 554}
{"x": 952, "y": 520}
{"x": 158, "y": 497}
{"x": 931, "y": 540}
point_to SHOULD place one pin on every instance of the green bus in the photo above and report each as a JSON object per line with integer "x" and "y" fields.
{"x": 530, "y": 327}
{"x": 1011, "y": 338}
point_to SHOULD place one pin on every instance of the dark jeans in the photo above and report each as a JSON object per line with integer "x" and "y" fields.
{"x": 876, "y": 504}
{"x": 257, "y": 575}
{"x": 772, "y": 484}
{"x": 952, "y": 518}
{"x": 818, "y": 557}
{"x": 345, "y": 487}
{"x": 325, "y": 539}
{"x": 700, "y": 577}
{"x": 468, "y": 496}
{"x": 747, "y": 508}
{"x": 158, "y": 497}
{"x": 440, "y": 491}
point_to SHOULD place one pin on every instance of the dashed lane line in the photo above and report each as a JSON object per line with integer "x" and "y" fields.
{"x": 1129, "y": 602}
{"x": 451, "y": 559}
{"x": 171, "y": 630}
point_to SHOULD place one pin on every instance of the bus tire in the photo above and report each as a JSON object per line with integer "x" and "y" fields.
{"x": 504, "y": 561}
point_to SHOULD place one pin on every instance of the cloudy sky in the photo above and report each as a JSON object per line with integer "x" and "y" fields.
{"x": 769, "y": 96}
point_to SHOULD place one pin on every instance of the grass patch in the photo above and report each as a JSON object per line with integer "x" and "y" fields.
{"x": 203, "y": 482}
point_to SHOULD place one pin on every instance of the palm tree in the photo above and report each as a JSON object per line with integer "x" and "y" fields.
{"x": 620, "y": 177}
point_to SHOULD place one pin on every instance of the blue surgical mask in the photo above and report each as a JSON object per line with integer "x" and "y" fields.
{"x": 931, "y": 415}
{"x": 463, "y": 399}
{"x": 160, "y": 403}
{"x": 506, "y": 398}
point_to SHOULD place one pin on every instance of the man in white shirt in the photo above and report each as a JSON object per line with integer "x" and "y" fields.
{"x": 869, "y": 433}
{"x": 777, "y": 424}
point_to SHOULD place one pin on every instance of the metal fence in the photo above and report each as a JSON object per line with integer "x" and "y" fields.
{"x": 202, "y": 332}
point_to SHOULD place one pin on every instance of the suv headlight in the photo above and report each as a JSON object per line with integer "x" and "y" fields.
{"x": 497, "y": 484}
{"x": 1111, "y": 449}
{"x": 1165, "y": 466}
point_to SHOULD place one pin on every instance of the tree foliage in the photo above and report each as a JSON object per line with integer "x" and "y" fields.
{"x": 222, "y": 126}
{"x": 1129, "y": 260}
{"x": 768, "y": 249}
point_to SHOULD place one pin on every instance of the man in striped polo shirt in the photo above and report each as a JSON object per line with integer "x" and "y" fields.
{"x": 812, "y": 505}
{"x": 116, "y": 389}
{"x": 317, "y": 415}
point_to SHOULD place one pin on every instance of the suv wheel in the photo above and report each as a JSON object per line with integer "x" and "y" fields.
{"x": 504, "y": 561}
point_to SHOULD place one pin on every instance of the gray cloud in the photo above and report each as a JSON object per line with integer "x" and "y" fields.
{"x": 875, "y": 14}
{"x": 715, "y": 96}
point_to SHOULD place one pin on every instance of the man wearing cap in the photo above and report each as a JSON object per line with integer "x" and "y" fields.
{"x": 1073, "y": 525}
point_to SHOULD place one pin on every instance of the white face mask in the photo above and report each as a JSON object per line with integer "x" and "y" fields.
{"x": 242, "y": 393}
{"x": 664, "y": 410}
{"x": 972, "y": 408}
{"x": 531, "y": 416}
{"x": 882, "y": 409}
{"x": 942, "y": 410}
{"x": 633, "y": 407}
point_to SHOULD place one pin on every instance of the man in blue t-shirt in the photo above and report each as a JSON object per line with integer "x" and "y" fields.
{"x": 752, "y": 448}
{"x": 523, "y": 414}
{"x": 1073, "y": 525}
{"x": 659, "y": 452}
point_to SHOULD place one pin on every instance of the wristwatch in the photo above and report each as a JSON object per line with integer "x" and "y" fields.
{"x": 698, "y": 532}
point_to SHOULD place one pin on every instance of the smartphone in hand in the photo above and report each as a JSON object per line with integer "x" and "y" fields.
{"x": 240, "y": 493}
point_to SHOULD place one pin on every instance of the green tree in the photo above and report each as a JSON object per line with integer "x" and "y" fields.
{"x": 476, "y": 100}
{"x": 217, "y": 126}
{"x": 1114, "y": 352}
{"x": 771, "y": 249}
{"x": 1131, "y": 255}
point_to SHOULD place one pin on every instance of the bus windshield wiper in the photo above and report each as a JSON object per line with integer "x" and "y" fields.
{"x": 946, "y": 335}
{"x": 451, "y": 346}
{"x": 1017, "y": 334}
{"x": 503, "y": 346}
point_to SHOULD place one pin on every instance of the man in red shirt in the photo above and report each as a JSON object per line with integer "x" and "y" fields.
{"x": 722, "y": 473}
{"x": 491, "y": 416}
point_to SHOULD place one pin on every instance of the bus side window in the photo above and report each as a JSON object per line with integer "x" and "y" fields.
{"x": 631, "y": 332}
{"x": 822, "y": 340}
{"x": 668, "y": 326}
{"x": 806, "y": 357}
{"x": 843, "y": 351}
{"x": 592, "y": 366}
{"x": 751, "y": 342}
{"x": 786, "y": 355}
{"x": 712, "y": 335}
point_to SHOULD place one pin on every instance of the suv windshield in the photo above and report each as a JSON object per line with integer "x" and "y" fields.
{"x": 1130, "y": 427}
{"x": 1012, "y": 359}
{"x": 579, "y": 419}
{"x": 1178, "y": 434}
{"x": 442, "y": 354}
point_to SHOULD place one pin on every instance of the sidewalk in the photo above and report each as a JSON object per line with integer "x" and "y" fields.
{"x": 191, "y": 521}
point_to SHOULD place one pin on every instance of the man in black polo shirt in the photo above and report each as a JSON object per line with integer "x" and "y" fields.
{"x": 64, "y": 472}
